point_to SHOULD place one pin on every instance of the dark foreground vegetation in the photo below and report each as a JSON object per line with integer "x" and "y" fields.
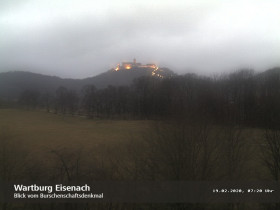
{"x": 223, "y": 128}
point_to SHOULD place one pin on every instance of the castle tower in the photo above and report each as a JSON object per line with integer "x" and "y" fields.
{"x": 134, "y": 61}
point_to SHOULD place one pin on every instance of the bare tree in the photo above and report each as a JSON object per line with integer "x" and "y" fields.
{"x": 67, "y": 166}
{"x": 174, "y": 151}
{"x": 89, "y": 100}
{"x": 271, "y": 158}
{"x": 233, "y": 151}
{"x": 29, "y": 99}
{"x": 66, "y": 101}
{"x": 271, "y": 152}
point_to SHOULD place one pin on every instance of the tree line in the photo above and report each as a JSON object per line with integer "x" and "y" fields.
{"x": 241, "y": 97}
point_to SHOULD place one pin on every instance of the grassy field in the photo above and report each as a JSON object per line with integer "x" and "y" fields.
{"x": 40, "y": 132}
{"x": 105, "y": 143}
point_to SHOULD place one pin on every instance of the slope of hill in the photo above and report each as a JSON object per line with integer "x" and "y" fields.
{"x": 125, "y": 77}
{"x": 273, "y": 72}
{"x": 12, "y": 84}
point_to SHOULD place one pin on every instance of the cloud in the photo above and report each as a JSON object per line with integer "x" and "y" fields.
{"x": 72, "y": 39}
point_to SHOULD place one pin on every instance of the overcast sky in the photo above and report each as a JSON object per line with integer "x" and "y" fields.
{"x": 82, "y": 38}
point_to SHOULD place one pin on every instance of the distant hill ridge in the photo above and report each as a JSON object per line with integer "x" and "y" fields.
{"x": 14, "y": 83}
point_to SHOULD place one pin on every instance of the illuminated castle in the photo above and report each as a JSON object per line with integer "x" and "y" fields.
{"x": 131, "y": 65}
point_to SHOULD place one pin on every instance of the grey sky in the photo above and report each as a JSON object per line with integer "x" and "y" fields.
{"x": 77, "y": 39}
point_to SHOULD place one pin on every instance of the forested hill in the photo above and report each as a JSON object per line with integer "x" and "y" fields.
{"x": 12, "y": 84}
{"x": 240, "y": 97}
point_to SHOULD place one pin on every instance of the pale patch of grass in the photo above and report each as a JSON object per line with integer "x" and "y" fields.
{"x": 41, "y": 131}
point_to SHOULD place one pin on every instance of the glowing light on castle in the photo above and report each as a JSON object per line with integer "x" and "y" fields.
{"x": 133, "y": 65}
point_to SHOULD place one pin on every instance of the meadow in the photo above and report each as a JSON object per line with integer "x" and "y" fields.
{"x": 39, "y": 134}
{"x": 39, "y": 131}
{"x": 39, "y": 146}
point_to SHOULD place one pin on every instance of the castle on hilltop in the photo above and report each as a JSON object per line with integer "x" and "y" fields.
{"x": 131, "y": 65}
